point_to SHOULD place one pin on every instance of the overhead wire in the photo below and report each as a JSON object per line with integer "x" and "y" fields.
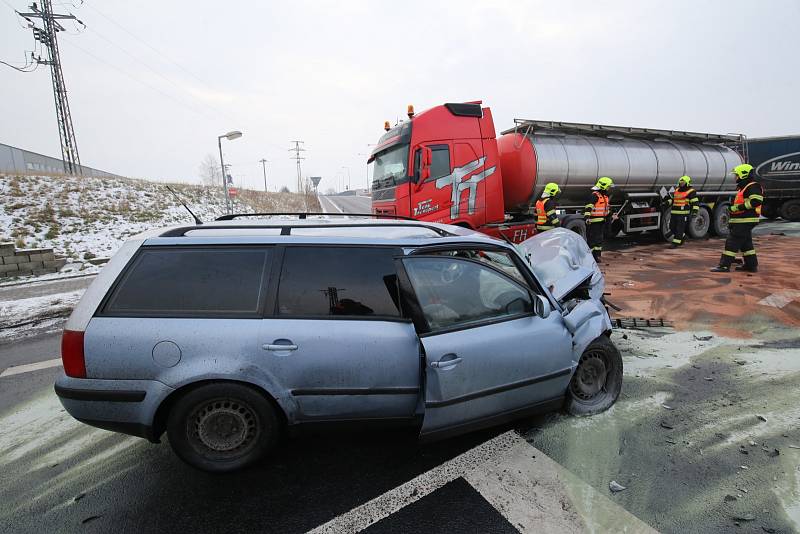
{"x": 137, "y": 80}
{"x": 160, "y": 53}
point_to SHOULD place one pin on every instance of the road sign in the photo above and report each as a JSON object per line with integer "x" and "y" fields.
{"x": 232, "y": 191}
{"x": 315, "y": 180}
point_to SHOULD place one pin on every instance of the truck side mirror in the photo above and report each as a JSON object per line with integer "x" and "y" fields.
{"x": 425, "y": 168}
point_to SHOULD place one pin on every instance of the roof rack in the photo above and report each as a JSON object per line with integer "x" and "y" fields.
{"x": 526, "y": 126}
{"x": 286, "y": 229}
{"x": 304, "y": 215}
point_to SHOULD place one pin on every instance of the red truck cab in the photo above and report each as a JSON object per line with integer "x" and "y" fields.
{"x": 443, "y": 165}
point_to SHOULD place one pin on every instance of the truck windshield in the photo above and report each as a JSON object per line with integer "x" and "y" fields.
{"x": 389, "y": 168}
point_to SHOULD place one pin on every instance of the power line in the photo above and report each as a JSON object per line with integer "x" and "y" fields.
{"x": 161, "y": 54}
{"x": 139, "y": 81}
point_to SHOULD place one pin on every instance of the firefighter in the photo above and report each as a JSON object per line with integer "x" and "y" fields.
{"x": 744, "y": 214}
{"x": 596, "y": 215}
{"x": 685, "y": 205}
{"x": 546, "y": 218}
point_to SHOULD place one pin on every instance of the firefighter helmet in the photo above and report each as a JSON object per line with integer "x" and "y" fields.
{"x": 685, "y": 179}
{"x": 742, "y": 171}
{"x": 604, "y": 183}
{"x": 552, "y": 189}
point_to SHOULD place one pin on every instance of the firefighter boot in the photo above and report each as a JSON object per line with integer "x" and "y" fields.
{"x": 750, "y": 263}
{"x": 721, "y": 269}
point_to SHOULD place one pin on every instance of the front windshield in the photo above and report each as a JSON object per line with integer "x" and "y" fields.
{"x": 389, "y": 168}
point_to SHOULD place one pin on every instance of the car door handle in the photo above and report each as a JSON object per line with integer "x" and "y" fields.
{"x": 278, "y": 347}
{"x": 445, "y": 363}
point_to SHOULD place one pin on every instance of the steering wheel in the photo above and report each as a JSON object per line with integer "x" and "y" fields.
{"x": 452, "y": 272}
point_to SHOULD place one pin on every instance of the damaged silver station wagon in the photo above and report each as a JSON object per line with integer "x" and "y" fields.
{"x": 227, "y": 334}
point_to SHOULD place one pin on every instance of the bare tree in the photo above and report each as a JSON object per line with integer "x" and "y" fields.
{"x": 209, "y": 171}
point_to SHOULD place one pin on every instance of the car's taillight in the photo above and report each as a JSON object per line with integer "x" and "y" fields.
{"x": 72, "y": 354}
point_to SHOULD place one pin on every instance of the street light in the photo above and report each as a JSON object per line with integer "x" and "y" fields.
{"x": 230, "y": 136}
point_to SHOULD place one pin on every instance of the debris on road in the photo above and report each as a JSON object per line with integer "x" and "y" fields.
{"x": 616, "y": 487}
{"x": 762, "y": 418}
{"x": 744, "y": 517}
{"x": 668, "y": 426}
{"x": 702, "y": 338}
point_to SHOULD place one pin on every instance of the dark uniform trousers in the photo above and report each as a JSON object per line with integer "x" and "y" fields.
{"x": 595, "y": 233}
{"x": 739, "y": 239}
{"x": 677, "y": 227}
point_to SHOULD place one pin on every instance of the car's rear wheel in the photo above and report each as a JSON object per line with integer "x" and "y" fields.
{"x": 597, "y": 381}
{"x": 222, "y": 427}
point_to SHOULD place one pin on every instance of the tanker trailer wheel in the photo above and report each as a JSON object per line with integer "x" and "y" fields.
{"x": 577, "y": 225}
{"x": 719, "y": 219}
{"x": 699, "y": 224}
{"x": 771, "y": 210}
{"x": 791, "y": 210}
{"x": 663, "y": 230}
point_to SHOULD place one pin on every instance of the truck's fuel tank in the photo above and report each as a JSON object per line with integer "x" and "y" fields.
{"x": 574, "y": 162}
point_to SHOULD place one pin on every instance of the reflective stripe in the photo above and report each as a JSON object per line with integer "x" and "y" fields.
{"x": 757, "y": 197}
{"x": 749, "y": 253}
{"x": 601, "y": 219}
{"x": 680, "y": 198}
{"x": 729, "y": 253}
{"x": 742, "y": 220}
{"x": 677, "y": 241}
{"x": 541, "y": 218}
{"x": 538, "y": 227}
{"x": 601, "y": 207}
{"x": 681, "y": 212}
{"x": 695, "y": 199}
{"x": 551, "y": 212}
{"x": 597, "y": 248}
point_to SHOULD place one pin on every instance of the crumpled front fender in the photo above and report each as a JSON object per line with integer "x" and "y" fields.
{"x": 587, "y": 321}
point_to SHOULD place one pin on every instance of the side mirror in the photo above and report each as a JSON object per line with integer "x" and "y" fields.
{"x": 425, "y": 167}
{"x": 541, "y": 306}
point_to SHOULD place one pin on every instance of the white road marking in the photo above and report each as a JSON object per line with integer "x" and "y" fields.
{"x": 329, "y": 201}
{"x": 780, "y": 299}
{"x": 529, "y": 489}
{"x": 393, "y": 500}
{"x": 19, "y": 369}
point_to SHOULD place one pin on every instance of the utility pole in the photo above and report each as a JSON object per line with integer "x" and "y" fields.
{"x": 47, "y": 36}
{"x": 297, "y": 149}
{"x": 264, "y": 165}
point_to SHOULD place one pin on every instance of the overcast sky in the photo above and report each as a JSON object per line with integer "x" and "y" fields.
{"x": 152, "y": 84}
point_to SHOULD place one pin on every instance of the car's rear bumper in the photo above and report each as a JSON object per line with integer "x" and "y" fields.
{"x": 126, "y": 406}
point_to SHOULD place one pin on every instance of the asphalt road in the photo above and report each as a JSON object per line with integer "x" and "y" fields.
{"x": 346, "y": 204}
{"x": 57, "y": 475}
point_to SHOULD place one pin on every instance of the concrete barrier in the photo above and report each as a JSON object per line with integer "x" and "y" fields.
{"x": 24, "y": 262}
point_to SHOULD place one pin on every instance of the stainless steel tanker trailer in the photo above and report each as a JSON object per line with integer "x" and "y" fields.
{"x": 644, "y": 163}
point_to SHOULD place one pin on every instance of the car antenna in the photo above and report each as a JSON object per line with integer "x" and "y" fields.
{"x": 196, "y": 219}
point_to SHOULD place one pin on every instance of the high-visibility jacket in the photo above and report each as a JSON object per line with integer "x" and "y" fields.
{"x": 546, "y": 217}
{"x": 746, "y": 207}
{"x": 598, "y": 208}
{"x": 684, "y": 202}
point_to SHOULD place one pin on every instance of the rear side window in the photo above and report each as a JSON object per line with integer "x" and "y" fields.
{"x": 208, "y": 282}
{"x": 339, "y": 281}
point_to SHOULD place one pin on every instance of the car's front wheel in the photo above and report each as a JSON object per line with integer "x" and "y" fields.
{"x": 597, "y": 381}
{"x": 222, "y": 427}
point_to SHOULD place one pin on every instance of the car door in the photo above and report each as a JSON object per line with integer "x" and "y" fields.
{"x": 336, "y": 339}
{"x": 488, "y": 356}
